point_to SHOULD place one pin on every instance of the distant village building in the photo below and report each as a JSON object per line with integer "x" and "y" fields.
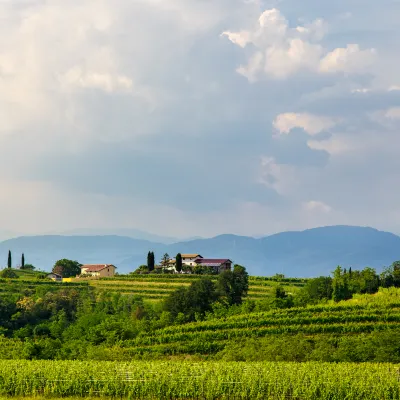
{"x": 55, "y": 277}
{"x": 98, "y": 270}
{"x": 190, "y": 259}
{"x": 219, "y": 264}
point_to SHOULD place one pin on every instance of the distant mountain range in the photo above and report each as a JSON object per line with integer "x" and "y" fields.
{"x": 312, "y": 252}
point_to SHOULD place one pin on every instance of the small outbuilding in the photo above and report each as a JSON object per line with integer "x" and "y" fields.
{"x": 55, "y": 277}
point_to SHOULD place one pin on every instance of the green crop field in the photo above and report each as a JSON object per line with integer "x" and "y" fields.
{"x": 157, "y": 287}
{"x": 150, "y": 287}
{"x": 190, "y": 380}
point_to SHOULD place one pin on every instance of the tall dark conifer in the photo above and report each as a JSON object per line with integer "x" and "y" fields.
{"x": 9, "y": 260}
{"x": 22, "y": 261}
{"x": 178, "y": 262}
{"x": 150, "y": 261}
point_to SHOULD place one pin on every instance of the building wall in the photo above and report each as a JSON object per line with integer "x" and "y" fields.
{"x": 188, "y": 261}
{"x": 225, "y": 266}
{"x": 107, "y": 272}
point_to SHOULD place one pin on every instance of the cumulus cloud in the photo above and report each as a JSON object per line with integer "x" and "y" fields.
{"x": 312, "y": 124}
{"x": 348, "y": 60}
{"x": 282, "y": 51}
{"x": 136, "y": 113}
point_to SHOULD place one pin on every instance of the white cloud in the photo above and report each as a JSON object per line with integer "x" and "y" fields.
{"x": 348, "y": 60}
{"x": 96, "y": 80}
{"x": 147, "y": 74}
{"x": 312, "y": 124}
{"x": 277, "y": 176}
{"x": 393, "y": 113}
{"x": 317, "y": 206}
{"x": 335, "y": 145}
{"x": 282, "y": 51}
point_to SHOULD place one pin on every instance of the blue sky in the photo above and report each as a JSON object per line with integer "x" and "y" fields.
{"x": 188, "y": 117}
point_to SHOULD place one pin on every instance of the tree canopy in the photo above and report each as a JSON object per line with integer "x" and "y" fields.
{"x": 233, "y": 285}
{"x": 67, "y": 268}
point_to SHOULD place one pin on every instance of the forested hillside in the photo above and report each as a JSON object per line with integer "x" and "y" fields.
{"x": 352, "y": 316}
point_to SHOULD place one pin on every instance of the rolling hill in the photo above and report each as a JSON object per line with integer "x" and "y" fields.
{"x": 307, "y": 253}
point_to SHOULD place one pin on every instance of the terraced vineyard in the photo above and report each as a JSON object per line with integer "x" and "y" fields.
{"x": 362, "y": 315}
{"x": 157, "y": 287}
{"x": 29, "y": 287}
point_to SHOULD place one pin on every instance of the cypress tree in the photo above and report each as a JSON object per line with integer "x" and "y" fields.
{"x": 178, "y": 262}
{"x": 150, "y": 261}
{"x": 23, "y": 261}
{"x": 9, "y": 260}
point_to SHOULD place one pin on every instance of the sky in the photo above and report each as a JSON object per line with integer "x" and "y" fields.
{"x": 199, "y": 117}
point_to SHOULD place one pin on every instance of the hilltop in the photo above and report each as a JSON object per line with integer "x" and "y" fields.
{"x": 306, "y": 253}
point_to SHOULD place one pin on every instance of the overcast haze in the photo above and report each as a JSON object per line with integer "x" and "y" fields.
{"x": 190, "y": 117}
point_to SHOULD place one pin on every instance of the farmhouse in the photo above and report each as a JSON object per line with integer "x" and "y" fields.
{"x": 190, "y": 259}
{"x": 195, "y": 259}
{"x": 98, "y": 270}
{"x": 219, "y": 264}
{"x": 55, "y": 277}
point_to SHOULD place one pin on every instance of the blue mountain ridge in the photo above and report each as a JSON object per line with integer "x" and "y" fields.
{"x": 312, "y": 252}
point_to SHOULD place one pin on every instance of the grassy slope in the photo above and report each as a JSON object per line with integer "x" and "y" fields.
{"x": 363, "y": 314}
{"x": 27, "y": 274}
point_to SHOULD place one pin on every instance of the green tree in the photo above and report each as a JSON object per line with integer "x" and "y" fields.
{"x": 340, "y": 285}
{"x": 22, "y": 261}
{"x": 150, "y": 261}
{"x": 280, "y": 292}
{"x": 233, "y": 285}
{"x": 391, "y": 275}
{"x": 191, "y": 302}
{"x": 9, "y": 259}
{"x": 315, "y": 291}
{"x": 141, "y": 269}
{"x": 67, "y": 268}
{"x": 178, "y": 262}
{"x": 165, "y": 260}
{"x": 28, "y": 267}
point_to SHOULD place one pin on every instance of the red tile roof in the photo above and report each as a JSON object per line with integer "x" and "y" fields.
{"x": 96, "y": 267}
{"x": 218, "y": 261}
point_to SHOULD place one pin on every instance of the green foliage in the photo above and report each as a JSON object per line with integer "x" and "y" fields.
{"x": 67, "y": 268}
{"x": 366, "y": 347}
{"x": 192, "y": 302}
{"x": 8, "y": 273}
{"x": 165, "y": 260}
{"x": 150, "y": 261}
{"x": 280, "y": 293}
{"x": 315, "y": 291}
{"x": 143, "y": 269}
{"x": 233, "y": 285}
{"x": 28, "y": 267}
{"x": 194, "y": 380}
{"x": 391, "y": 276}
{"x": 178, "y": 262}
{"x": 9, "y": 259}
{"x": 340, "y": 285}
{"x": 22, "y": 261}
